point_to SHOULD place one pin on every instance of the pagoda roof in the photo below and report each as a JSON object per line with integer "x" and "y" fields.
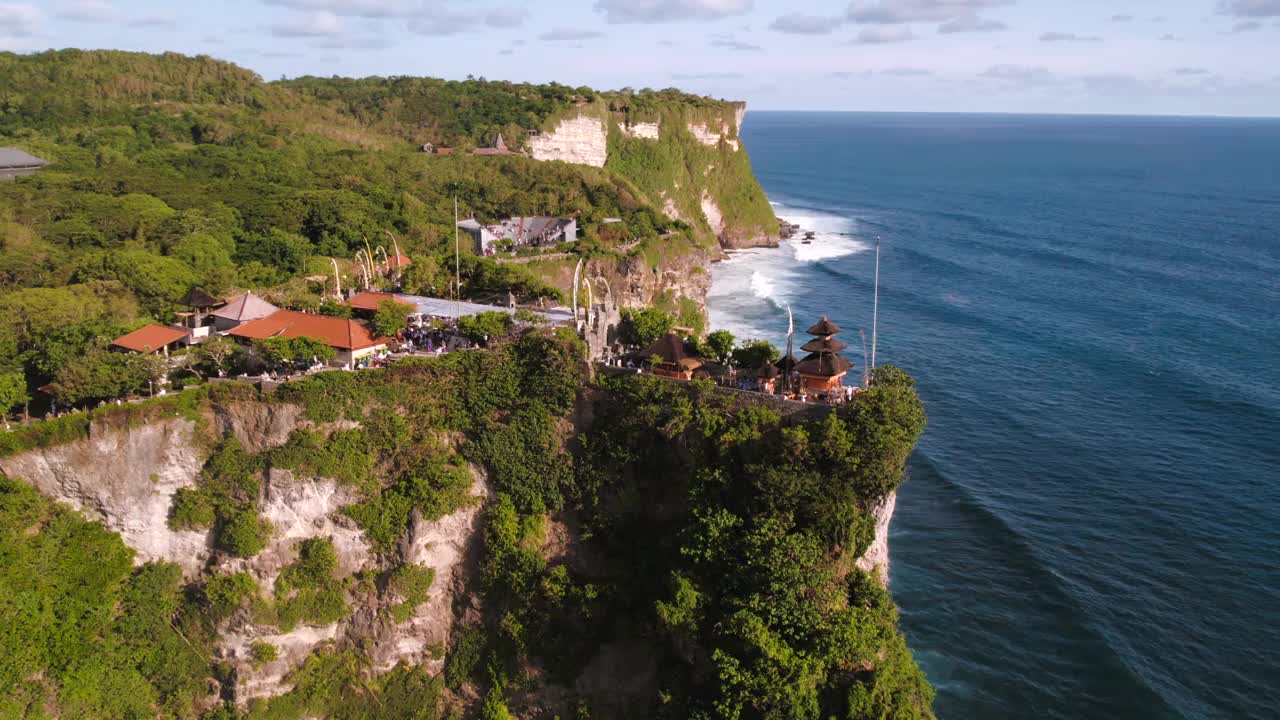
{"x": 824, "y": 365}
{"x": 824, "y": 343}
{"x": 787, "y": 363}
{"x": 670, "y": 348}
{"x": 767, "y": 370}
{"x": 198, "y": 298}
{"x": 245, "y": 308}
{"x": 824, "y": 327}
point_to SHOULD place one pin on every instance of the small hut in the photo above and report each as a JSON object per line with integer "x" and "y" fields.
{"x": 197, "y": 319}
{"x": 823, "y": 369}
{"x": 672, "y": 359}
{"x": 767, "y": 377}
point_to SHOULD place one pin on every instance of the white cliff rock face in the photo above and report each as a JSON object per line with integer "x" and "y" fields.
{"x": 712, "y": 136}
{"x": 301, "y": 508}
{"x": 258, "y": 426}
{"x": 648, "y": 131}
{"x": 712, "y": 212}
{"x": 739, "y": 114}
{"x": 876, "y": 558}
{"x": 581, "y": 140}
{"x": 444, "y": 546}
{"x": 126, "y": 478}
{"x": 292, "y": 649}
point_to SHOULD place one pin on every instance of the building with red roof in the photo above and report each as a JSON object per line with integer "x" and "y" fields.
{"x": 152, "y": 338}
{"x": 369, "y": 301}
{"x": 351, "y": 339}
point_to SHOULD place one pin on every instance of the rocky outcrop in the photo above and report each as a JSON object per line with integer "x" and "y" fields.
{"x": 126, "y": 477}
{"x": 876, "y": 558}
{"x": 301, "y": 508}
{"x": 649, "y": 131}
{"x": 258, "y": 426}
{"x": 582, "y": 140}
{"x": 713, "y": 135}
{"x": 712, "y": 213}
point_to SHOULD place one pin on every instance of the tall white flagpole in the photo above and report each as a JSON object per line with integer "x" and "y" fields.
{"x": 875, "y": 307}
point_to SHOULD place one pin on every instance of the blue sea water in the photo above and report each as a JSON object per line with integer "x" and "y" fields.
{"x": 1091, "y": 306}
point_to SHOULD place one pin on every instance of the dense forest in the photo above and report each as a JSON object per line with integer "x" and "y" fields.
{"x": 172, "y": 172}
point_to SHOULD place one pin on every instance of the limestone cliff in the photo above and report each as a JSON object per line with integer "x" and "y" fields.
{"x": 689, "y": 161}
{"x": 126, "y": 476}
{"x": 876, "y": 557}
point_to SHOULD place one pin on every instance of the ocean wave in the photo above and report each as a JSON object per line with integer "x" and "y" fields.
{"x": 761, "y": 286}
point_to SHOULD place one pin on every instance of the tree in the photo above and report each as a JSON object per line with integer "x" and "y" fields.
{"x": 755, "y": 353}
{"x": 391, "y": 317}
{"x": 13, "y": 391}
{"x": 333, "y": 308}
{"x": 215, "y": 352}
{"x": 282, "y": 353}
{"x": 640, "y": 328}
{"x": 720, "y": 343}
{"x": 484, "y": 326}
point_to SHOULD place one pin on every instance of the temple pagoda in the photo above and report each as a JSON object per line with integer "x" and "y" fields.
{"x": 671, "y": 358}
{"x": 823, "y": 369}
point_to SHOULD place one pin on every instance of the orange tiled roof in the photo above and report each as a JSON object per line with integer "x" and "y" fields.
{"x": 338, "y": 333}
{"x": 150, "y": 338}
{"x": 396, "y": 261}
{"x": 369, "y": 300}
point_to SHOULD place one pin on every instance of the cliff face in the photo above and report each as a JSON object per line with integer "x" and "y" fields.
{"x": 126, "y": 477}
{"x": 876, "y": 558}
{"x": 692, "y": 164}
{"x": 581, "y": 140}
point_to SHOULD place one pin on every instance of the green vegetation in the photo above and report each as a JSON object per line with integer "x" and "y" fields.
{"x": 409, "y": 583}
{"x": 640, "y": 328}
{"x": 392, "y": 317}
{"x": 225, "y": 499}
{"x": 480, "y": 327}
{"x": 262, "y": 653}
{"x": 171, "y": 172}
{"x": 84, "y": 631}
{"x": 283, "y": 353}
{"x": 307, "y": 590}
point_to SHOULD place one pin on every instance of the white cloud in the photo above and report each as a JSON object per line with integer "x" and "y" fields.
{"x": 906, "y": 71}
{"x": 314, "y": 24}
{"x": 894, "y": 12}
{"x": 160, "y": 22}
{"x": 657, "y": 11}
{"x": 732, "y": 43}
{"x": 19, "y": 20}
{"x": 1020, "y": 74}
{"x": 570, "y": 35}
{"x": 971, "y": 24}
{"x": 1122, "y": 18}
{"x": 1250, "y": 8}
{"x": 1191, "y": 71}
{"x": 801, "y": 24}
{"x": 1246, "y": 26}
{"x": 876, "y": 35}
{"x": 708, "y": 76}
{"x": 506, "y": 17}
{"x": 88, "y": 11}
{"x": 1069, "y": 38}
{"x": 359, "y": 8}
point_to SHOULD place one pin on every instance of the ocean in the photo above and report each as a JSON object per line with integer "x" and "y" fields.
{"x": 1090, "y": 527}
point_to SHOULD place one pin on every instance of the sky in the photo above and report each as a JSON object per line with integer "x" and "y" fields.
{"x": 1185, "y": 57}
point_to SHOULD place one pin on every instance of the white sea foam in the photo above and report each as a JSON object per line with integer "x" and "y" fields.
{"x": 833, "y": 235}
{"x": 761, "y": 286}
